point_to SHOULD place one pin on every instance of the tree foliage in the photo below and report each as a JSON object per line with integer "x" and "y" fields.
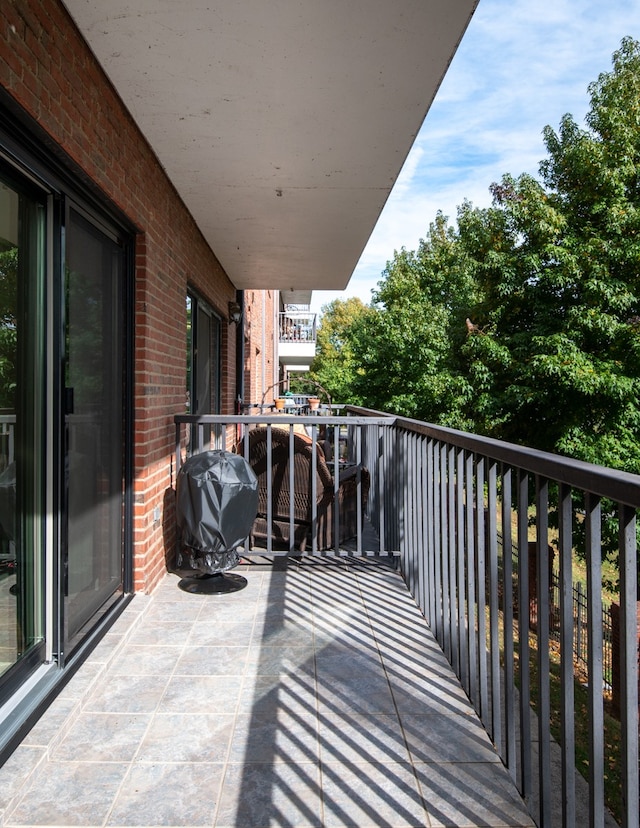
{"x": 560, "y": 286}
{"x": 522, "y": 322}
{"x": 407, "y": 348}
{"x": 334, "y": 366}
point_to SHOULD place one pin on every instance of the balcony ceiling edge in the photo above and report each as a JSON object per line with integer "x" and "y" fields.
{"x": 283, "y": 128}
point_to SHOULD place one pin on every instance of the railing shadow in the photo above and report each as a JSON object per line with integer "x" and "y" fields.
{"x": 346, "y": 691}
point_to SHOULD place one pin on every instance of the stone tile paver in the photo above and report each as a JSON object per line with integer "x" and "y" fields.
{"x": 315, "y": 697}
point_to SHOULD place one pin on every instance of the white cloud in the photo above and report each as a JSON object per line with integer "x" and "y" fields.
{"x": 521, "y": 65}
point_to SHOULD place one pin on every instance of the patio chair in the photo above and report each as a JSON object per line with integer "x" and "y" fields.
{"x": 303, "y": 490}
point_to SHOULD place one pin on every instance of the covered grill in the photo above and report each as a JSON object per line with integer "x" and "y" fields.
{"x": 216, "y": 504}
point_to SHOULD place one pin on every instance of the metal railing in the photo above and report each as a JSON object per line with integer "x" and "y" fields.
{"x": 458, "y": 510}
{"x": 451, "y": 495}
{"x": 297, "y": 326}
{"x": 340, "y": 439}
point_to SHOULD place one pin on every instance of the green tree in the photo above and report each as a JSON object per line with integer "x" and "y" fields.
{"x": 334, "y": 366}
{"x": 523, "y": 321}
{"x": 558, "y": 269}
{"x": 409, "y": 350}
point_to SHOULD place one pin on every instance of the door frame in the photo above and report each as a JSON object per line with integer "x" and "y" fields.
{"x": 67, "y": 647}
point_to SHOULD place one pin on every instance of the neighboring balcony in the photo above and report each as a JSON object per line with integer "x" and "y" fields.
{"x": 474, "y": 526}
{"x": 296, "y": 339}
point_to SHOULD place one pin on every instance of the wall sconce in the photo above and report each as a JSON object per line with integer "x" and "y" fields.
{"x": 235, "y": 313}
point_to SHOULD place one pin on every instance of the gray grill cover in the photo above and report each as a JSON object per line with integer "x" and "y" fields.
{"x": 216, "y": 504}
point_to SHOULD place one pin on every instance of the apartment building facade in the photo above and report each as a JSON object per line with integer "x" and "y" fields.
{"x": 116, "y": 312}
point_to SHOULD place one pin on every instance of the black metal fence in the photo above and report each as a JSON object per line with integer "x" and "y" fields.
{"x": 579, "y": 601}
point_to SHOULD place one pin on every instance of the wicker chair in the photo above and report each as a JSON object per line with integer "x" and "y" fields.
{"x": 303, "y": 491}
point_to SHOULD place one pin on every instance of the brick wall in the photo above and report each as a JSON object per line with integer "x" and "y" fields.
{"x": 49, "y": 71}
{"x": 260, "y": 370}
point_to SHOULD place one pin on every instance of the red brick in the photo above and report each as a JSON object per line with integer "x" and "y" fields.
{"x": 51, "y": 73}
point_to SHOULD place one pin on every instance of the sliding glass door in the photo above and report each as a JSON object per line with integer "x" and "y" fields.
{"x": 66, "y": 419}
{"x": 94, "y": 420}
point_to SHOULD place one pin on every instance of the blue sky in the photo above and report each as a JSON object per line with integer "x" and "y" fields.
{"x": 521, "y": 65}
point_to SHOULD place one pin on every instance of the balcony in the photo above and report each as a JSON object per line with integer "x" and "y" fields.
{"x": 457, "y": 512}
{"x": 303, "y": 700}
{"x": 296, "y": 338}
{"x": 394, "y": 679}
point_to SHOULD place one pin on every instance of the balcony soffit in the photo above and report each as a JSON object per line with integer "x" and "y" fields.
{"x": 283, "y": 125}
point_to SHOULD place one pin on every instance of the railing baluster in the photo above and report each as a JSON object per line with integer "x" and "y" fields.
{"x": 593, "y": 519}
{"x": 178, "y": 450}
{"x": 406, "y": 473}
{"x": 524, "y": 609}
{"x": 451, "y": 555}
{"x": 406, "y": 511}
{"x": 507, "y": 591}
{"x": 336, "y": 488}
{"x": 628, "y": 567}
{"x": 444, "y": 550}
{"x": 388, "y": 493}
{"x": 416, "y": 485}
{"x": 565, "y": 539}
{"x": 463, "y": 668}
{"x": 424, "y": 527}
{"x": 382, "y": 487}
{"x": 291, "y": 472}
{"x": 437, "y": 549}
{"x": 386, "y": 483}
{"x": 495, "y": 729}
{"x": 392, "y": 508}
{"x": 431, "y": 536}
{"x": 542, "y": 622}
{"x": 398, "y": 492}
{"x": 483, "y": 709}
{"x": 471, "y": 580}
{"x": 411, "y": 512}
{"x": 359, "y": 514}
{"x": 314, "y": 490}
{"x": 269, "y": 493}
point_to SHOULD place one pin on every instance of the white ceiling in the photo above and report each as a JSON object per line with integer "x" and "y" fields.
{"x": 283, "y": 124}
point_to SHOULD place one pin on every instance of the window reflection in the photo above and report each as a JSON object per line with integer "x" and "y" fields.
{"x": 21, "y": 337}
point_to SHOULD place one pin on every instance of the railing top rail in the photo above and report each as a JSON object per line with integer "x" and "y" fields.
{"x": 620, "y": 486}
{"x": 281, "y": 419}
{"x": 298, "y": 314}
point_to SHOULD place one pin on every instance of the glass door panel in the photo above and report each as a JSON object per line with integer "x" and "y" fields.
{"x": 94, "y": 422}
{"x": 22, "y": 455}
{"x": 203, "y": 367}
{"x": 202, "y": 373}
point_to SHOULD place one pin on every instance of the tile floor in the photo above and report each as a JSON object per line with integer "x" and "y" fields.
{"x": 316, "y": 696}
